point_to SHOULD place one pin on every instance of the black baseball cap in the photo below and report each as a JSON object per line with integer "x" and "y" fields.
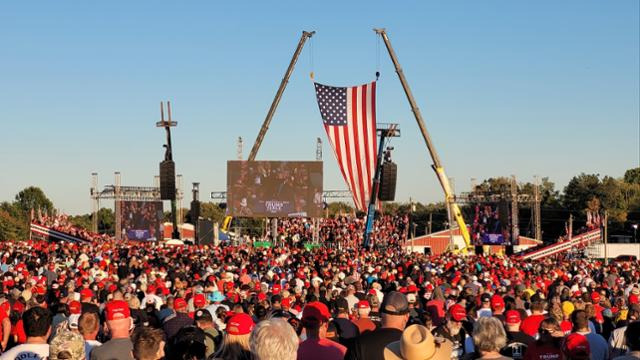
{"x": 342, "y": 304}
{"x": 395, "y": 303}
{"x": 202, "y": 315}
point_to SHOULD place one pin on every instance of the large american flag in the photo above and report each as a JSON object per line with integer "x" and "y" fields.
{"x": 349, "y": 115}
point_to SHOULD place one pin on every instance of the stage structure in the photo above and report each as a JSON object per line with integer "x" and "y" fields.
{"x": 121, "y": 194}
{"x": 505, "y": 205}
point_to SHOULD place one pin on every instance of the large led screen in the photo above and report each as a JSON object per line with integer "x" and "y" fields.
{"x": 274, "y": 188}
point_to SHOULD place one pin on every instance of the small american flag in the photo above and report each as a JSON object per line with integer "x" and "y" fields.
{"x": 349, "y": 116}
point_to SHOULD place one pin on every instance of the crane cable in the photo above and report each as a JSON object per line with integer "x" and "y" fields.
{"x": 311, "y": 59}
{"x": 377, "y": 56}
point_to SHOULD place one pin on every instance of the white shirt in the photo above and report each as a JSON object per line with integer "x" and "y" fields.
{"x": 157, "y": 301}
{"x": 89, "y": 345}
{"x": 27, "y": 352}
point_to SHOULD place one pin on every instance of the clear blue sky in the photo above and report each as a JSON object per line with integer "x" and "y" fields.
{"x": 547, "y": 88}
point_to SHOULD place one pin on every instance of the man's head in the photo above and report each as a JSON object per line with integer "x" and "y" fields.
{"x": 395, "y": 310}
{"x": 512, "y": 320}
{"x": 148, "y": 344}
{"x": 180, "y": 305}
{"x": 274, "y": 339}
{"x": 37, "y": 322}
{"x": 457, "y": 314}
{"x": 315, "y": 315}
{"x": 580, "y": 320}
{"x": 118, "y": 318}
{"x": 89, "y": 325}
{"x": 363, "y": 308}
{"x": 342, "y": 306}
{"x": 485, "y": 301}
{"x": 576, "y": 347}
{"x": 632, "y": 334}
{"x": 203, "y": 319}
{"x": 537, "y": 307}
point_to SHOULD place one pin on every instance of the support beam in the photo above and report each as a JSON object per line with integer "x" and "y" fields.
{"x": 274, "y": 105}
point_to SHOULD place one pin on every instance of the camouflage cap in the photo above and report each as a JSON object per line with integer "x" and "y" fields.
{"x": 67, "y": 345}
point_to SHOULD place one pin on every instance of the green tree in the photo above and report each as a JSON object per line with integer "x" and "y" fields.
{"x": 106, "y": 221}
{"x": 82, "y": 221}
{"x": 11, "y": 228}
{"x": 580, "y": 190}
{"x": 212, "y": 211}
{"x": 632, "y": 176}
{"x": 33, "y": 198}
{"x": 339, "y": 207}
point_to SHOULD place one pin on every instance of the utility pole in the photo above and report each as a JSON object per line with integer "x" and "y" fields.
{"x": 168, "y": 157}
{"x": 515, "y": 229}
{"x": 536, "y": 209}
{"x": 274, "y": 105}
{"x": 430, "y": 222}
{"x": 606, "y": 226}
{"x": 95, "y": 205}
{"x": 118, "y": 206}
{"x": 453, "y": 208}
{"x": 570, "y": 226}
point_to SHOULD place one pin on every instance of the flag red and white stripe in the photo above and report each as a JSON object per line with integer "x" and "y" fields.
{"x": 349, "y": 115}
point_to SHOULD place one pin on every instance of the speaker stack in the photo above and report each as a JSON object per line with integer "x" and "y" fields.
{"x": 167, "y": 180}
{"x": 388, "y": 177}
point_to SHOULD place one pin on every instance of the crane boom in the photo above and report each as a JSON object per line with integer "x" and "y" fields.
{"x": 274, "y": 105}
{"x": 437, "y": 165}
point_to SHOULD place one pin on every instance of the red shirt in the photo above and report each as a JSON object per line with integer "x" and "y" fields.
{"x": 18, "y": 331}
{"x": 531, "y": 324}
{"x": 566, "y": 326}
{"x": 321, "y": 349}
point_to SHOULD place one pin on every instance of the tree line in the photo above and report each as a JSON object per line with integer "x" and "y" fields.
{"x": 620, "y": 197}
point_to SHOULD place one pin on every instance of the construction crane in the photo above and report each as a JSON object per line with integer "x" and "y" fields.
{"x": 453, "y": 208}
{"x": 274, "y": 105}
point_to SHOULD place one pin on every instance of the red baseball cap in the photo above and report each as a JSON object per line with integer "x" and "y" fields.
{"x": 512, "y": 317}
{"x": 457, "y": 312}
{"x": 240, "y": 324}
{"x": 75, "y": 307}
{"x": 576, "y": 346}
{"x": 86, "y": 293}
{"x": 595, "y": 297}
{"x": 315, "y": 312}
{"x": 275, "y": 289}
{"x": 363, "y": 304}
{"x": 117, "y": 309}
{"x": 179, "y": 303}
{"x": 497, "y": 302}
{"x": 199, "y": 300}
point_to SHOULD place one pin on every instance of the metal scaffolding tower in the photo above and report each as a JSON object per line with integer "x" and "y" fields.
{"x": 239, "y": 149}
{"x": 319, "y": 149}
{"x": 118, "y": 192}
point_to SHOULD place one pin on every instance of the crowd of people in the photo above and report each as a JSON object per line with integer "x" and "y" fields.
{"x": 148, "y": 300}
{"x": 343, "y": 231}
{"x": 61, "y": 223}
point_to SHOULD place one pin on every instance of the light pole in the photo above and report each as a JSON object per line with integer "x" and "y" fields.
{"x": 635, "y": 237}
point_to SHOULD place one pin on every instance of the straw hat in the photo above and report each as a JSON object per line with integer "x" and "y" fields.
{"x": 417, "y": 343}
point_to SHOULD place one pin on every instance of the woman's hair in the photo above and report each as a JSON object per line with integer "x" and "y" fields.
{"x": 556, "y": 312}
{"x": 489, "y": 334}
{"x": 234, "y": 347}
{"x": 274, "y": 339}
